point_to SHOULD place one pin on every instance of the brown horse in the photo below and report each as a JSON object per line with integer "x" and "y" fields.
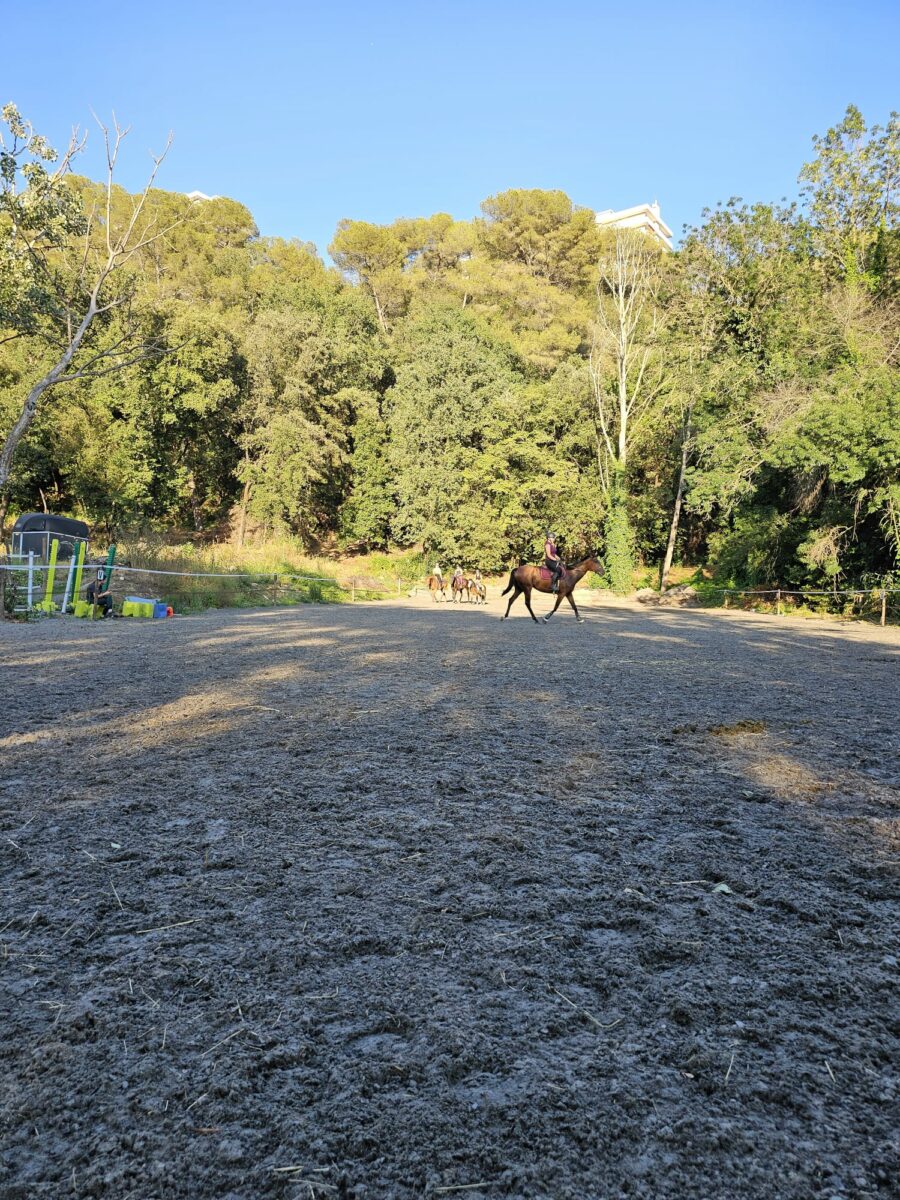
{"x": 437, "y": 587}
{"x": 528, "y": 578}
{"x": 458, "y": 585}
{"x": 478, "y": 590}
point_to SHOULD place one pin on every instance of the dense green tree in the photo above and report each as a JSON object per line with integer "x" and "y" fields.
{"x": 368, "y": 512}
{"x": 443, "y": 411}
{"x": 851, "y": 188}
{"x": 544, "y": 232}
{"x": 375, "y": 256}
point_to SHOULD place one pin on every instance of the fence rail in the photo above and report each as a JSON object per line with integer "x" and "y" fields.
{"x": 193, "y": 589}
{"x": 277, "y": 584}
{"x": 780, "y": 593}
{"x": 117, "y": 570}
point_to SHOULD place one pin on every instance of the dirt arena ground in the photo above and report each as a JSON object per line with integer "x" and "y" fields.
{"x": 394, "y": 900}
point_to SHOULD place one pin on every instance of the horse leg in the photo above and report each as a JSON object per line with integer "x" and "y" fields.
{"x": 555, "y": 607}
{"x": 578, "y": 617}
{"x": 528, "y": 604}
{"x": 516, "y": 594}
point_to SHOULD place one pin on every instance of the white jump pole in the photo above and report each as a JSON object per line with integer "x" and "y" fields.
{"x": 30, "y": 578}
{"x": 69, "y": 578}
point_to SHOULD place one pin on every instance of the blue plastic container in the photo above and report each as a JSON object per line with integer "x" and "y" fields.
{"x": 160, "y": 610}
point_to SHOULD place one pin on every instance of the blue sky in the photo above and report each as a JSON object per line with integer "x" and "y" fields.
{"x": 312, "y": 112}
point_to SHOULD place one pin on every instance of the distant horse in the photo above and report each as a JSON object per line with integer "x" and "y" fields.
{"x": 438, "y": 588}
{"x": 528, "y": 578}
{"x": 458, "y": 585}
{"x": 478, "y": 590}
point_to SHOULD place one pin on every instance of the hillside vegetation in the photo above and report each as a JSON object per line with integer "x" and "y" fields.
{"x": 462, "y": 385}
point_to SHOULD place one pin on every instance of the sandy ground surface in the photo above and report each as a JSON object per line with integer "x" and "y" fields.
{"x": 395, "y": 900}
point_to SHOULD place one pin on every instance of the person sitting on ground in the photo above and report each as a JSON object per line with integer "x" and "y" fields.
{"x": 552, "y": 560}
{"x": 97, "y": 593}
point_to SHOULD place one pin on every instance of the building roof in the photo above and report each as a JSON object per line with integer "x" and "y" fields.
{"x": 639, "y": 216}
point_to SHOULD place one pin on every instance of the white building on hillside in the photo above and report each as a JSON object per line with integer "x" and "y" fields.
{"x": 643, "y": 216}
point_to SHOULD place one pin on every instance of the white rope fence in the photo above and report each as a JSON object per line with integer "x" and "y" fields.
{"x": 274, "y": 584}
{"x": 117, "y": 570}
{"x": 277, "y": 579}
{"x": 808, "y": 591}
{"x": 857, "y": 593}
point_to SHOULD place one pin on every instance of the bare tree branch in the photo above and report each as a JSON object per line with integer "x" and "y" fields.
{"x": 120, "y": 247}
{"x": 142, "y": 356}
{"x": 625, "y": 340}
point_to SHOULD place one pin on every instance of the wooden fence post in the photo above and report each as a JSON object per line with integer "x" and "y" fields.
{"x": 883, "y": 607}
{"x": 778, "y": 602}
{"x": 353, "y": 590}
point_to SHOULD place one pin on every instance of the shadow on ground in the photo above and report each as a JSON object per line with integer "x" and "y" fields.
{"x": 386, "y": 901}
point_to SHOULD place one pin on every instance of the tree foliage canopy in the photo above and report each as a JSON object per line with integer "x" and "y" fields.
{"x": 464, "y": 384}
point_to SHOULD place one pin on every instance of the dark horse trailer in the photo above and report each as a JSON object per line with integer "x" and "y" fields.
{"x": 35, "y": 531}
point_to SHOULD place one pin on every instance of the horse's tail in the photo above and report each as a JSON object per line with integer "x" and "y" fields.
{"x": 512, "y": 581}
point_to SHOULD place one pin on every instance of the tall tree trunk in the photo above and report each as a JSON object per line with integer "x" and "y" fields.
{"x": 19, "y": 429}
{"x": 242, "y": 526}
{"x": 196, "y": 505}
{"x": 679, "y": 497}
{"x": 29, "y": 408}
{"x": 623, "y": 411}
{"x": 4, "y": 508}
{"x": 378, "y": 309}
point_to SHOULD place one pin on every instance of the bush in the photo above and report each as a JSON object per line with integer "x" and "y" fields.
{"x": 619, "y": 554}
{"x": 756, "y": 552}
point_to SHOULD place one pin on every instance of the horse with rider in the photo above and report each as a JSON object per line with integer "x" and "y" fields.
{"x": 554, "y": 577}
{"x": 471, "y": 587}
{"x": 436, "y": 584}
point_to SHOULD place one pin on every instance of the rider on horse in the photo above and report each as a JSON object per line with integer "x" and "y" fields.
{"x": 438, "y": 574}
{"x": 552, "y": 560}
